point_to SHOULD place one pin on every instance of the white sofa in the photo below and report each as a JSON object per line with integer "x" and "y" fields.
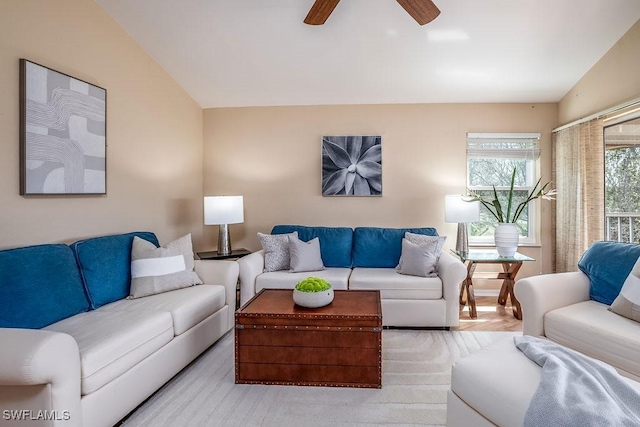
{"x": 95, "y": 367}
{"x": 407, "y": 301}
{"x": 558, "y": 307}
{"x": 494, "y": 386}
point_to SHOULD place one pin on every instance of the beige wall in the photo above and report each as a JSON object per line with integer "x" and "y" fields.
{"x": 271, "y": 156}
{"x": 613, "y": 80}
{"x": 154, "y": 130}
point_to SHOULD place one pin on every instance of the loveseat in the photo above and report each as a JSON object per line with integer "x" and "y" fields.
{"x": 365, "y": 258}
{"x": 76, "y": 352}
{"x": 571, "y": 309}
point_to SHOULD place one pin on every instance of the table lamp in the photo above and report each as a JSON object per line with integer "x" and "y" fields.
{"x": 462, "y": 212}
{"x": 222, "y": 211}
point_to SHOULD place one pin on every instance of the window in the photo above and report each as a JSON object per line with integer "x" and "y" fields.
{"x": 622, "y": 181}
{"x": 491, "y": 158}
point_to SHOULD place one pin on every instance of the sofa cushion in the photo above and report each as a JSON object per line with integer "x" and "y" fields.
{"x": 607, "y": 264}
{"x": 188, "y": 306}
{"x": 105, "y": 265}
{"x": 627, "y": 303}
{"x": 39, "y": 285}
{"x": 335, "y": 242}
{"x": 337, "y": 277}
{"x": 381, "y": 247}
{"x": 393, "y": 285}
{"x": 112, "y": 342}
{"x": 590, "y": 328}
{"x": 155, "y": 270}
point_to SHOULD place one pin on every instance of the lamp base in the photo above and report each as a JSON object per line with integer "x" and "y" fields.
{"x": 462, "y": 242}
{"x": 224, "y": 240}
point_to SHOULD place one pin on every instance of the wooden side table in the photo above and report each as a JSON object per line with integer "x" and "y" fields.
{"x": 510, "y": 266}
{"x": 235, "y": 253}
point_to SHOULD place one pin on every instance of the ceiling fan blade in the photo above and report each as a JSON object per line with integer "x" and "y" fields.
{"x": 423, "y": 11}
{"x": 320, "y": 11}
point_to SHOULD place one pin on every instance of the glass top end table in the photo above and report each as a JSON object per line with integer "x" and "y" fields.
{"x": 490, "y": 255}
{"x": 510, "y": 267}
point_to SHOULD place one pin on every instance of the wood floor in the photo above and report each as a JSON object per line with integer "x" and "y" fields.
{"x": 491, "y": 317}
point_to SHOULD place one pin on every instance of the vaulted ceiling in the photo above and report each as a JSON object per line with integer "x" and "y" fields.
{"x": 229, "y": 53}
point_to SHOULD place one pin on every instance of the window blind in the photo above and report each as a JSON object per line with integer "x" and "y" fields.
{"x": 503, "y": 146}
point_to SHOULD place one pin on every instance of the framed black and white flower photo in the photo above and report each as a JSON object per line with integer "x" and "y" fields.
{"x": 352, "y": 165}
{"x": 63, "y": 133}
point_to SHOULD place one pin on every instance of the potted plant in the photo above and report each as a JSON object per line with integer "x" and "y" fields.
{"x": 313, "y": 292}
{"x": 506, "y": 235}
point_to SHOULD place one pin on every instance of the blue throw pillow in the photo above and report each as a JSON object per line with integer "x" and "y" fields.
{"x": 39, "y": 285}
{"x": 105, "y": 265}
{"x": 335, "y": 242}
{"x": 607, "y": 264}
{"x": 381, "y": 247}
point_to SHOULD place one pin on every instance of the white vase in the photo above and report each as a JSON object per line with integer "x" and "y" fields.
{"x": 313, "y": 299}
{"x": 506, "y": 238}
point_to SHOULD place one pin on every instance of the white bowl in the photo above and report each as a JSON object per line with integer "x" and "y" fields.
{"x": 313, "y": 299}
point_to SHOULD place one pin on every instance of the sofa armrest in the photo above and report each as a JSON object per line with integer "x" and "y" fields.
{"x": 251, "y": 266}
{"x": 538, "y": 295}
{"x": 40, "y": 358}
{"x": 452, "y": 272}
{"x": 224, "y": 273}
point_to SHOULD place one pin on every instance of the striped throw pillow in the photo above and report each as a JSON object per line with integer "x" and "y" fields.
{"x": 155, "y": 270}
{"x": 627, "y": 303}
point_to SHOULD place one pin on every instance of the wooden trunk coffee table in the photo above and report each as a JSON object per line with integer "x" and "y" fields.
{"x": 278, "y": 342}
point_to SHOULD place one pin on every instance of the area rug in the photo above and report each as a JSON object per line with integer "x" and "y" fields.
{"x": 416, "y": 376}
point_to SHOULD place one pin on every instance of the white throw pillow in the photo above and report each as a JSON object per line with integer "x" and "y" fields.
{"x": 305, "y": 256}
{"x": 434, "y": 242}
{"x": 155, "y": 270}
{"x": 276, "y": 251}
{"x": 417, "y": 260}
{"x": 627, "y": 303}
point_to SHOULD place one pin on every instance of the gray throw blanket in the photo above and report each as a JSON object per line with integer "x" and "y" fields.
{"x": 576, "y": 390}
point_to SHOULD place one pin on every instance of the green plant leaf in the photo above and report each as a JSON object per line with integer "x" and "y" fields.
{"x": 497, "y": 205}
{"x": 492, "y": 203}
{"x": 513, "y": 179}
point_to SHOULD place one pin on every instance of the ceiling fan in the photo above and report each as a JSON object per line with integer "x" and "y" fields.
{"x": 423, "y": 11}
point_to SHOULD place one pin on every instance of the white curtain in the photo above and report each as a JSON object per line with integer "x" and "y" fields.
{"x": 578, "y": 175}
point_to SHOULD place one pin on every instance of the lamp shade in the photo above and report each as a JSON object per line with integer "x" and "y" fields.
{"x": 457, "y": 210}
{"x": 223, "y": 210}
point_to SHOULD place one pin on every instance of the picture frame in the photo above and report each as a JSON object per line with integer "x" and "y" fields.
{"x": 63, "y": 133}
{"x": 352, "y": 165}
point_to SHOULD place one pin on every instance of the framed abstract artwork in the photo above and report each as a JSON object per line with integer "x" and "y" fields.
{"x": 63, "y": 133}
{"x": 352, "y": 165}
